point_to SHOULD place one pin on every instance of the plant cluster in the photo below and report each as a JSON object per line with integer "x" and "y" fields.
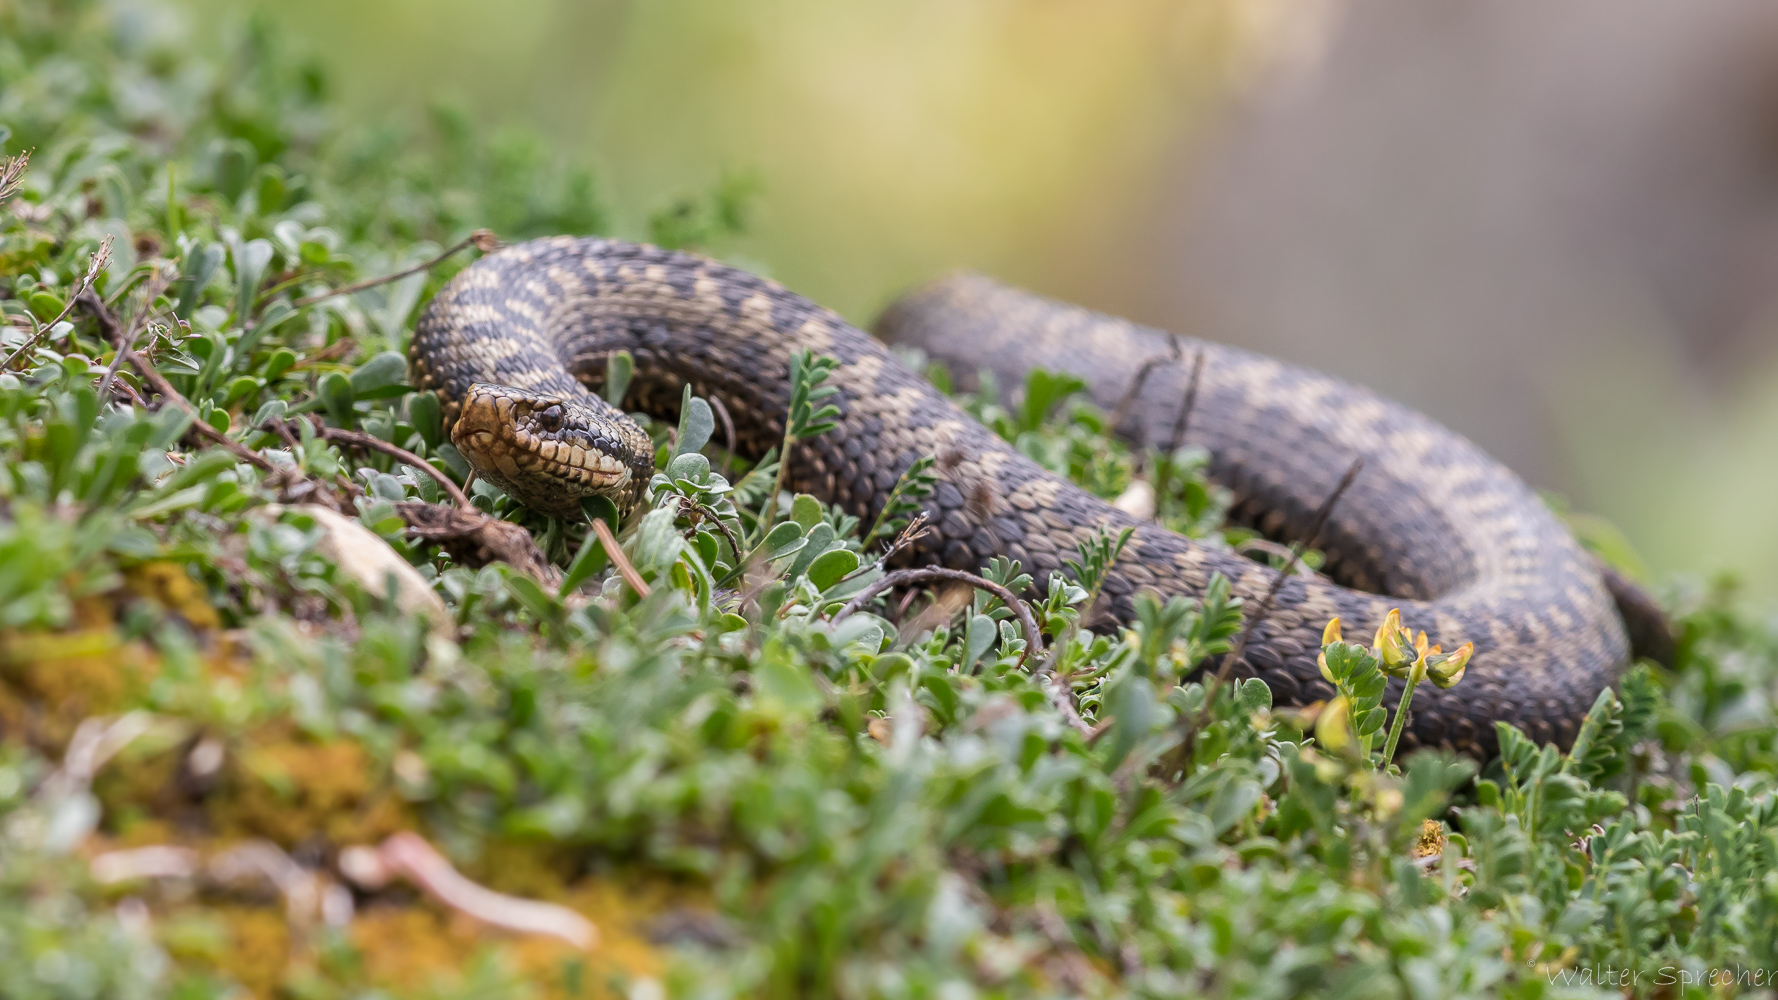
{"x": 685, "y": 740}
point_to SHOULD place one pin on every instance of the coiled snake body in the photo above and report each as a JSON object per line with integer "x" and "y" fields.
{"x": 1431, "y": 524}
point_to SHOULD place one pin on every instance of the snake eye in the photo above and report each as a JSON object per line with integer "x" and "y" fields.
{"x": 550, "y": 419}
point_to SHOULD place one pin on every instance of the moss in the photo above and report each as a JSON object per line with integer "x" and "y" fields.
{"x": 170, "y": 585}
{"x": 533, "y": 869}
{"x": 247, "y": 944}
{"x": 288, "y": 790}
{"x": 409, "y": 946}
{"x": 51, "y": 681}
{"x": 140, "y": 794}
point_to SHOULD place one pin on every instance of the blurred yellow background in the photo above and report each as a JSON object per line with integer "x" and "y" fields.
{"x": 1061, "y": 144}
{"x": 890, "y": 139}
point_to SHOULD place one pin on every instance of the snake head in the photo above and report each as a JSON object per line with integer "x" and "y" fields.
{"x": 549, "y": 451}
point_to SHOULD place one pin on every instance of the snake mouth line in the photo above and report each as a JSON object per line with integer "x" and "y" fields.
{"x": 518, "y": 454}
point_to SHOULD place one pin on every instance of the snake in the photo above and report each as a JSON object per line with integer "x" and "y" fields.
{"x": 516, "y": 347}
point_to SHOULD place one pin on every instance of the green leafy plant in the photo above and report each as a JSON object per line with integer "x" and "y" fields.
{"x": 807, "y": 417}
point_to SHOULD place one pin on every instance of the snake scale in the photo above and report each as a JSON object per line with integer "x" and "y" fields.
{"x": 515, "y": 343}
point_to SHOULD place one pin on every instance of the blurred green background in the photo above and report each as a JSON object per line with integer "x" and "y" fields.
{"x": 1080, "y": 148}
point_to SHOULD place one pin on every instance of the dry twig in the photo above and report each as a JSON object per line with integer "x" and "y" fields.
{"x": 156, "y": 285}
{"x": 408, "y": 855}
{"x": 482, "y": 239}
{"x": 1233, "y": 656}
{"x": 929, "y": 574}
{"x": 359, "y": 439}
{"x": 1059, "y": 695}
{"x": 616, "y": 552}
{"x": 158, "y": 383}
{"x": 1121, "y": 412}
{"x": 475, "y": 539}
{"x": 1191, "y": 401}
{"x": 696, "y": 511}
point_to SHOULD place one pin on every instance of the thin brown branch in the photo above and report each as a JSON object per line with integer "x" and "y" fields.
{"x": 1060, "y": 696}
{"x": 128, "y": 391}
{"x": 1267, "y": 547}
{"x": 728, "y": 431}
{"x": 407, "y": 855}
{"x": 929, "y": 574}
{"x": 616, "y": 552}
{"x": 697, "y": 511}
{"x": 114, "y": 333}
{"x": 282, "y": 429}
{"x": 1191, "y": 400}
{"x": 370, "y": 442}
{"x": 332, "y": 352}
{"x": 1122, "y": 411}
{"x": 156, "y": 285}
{"x": 1233, "y": 656}
{"x": 482, "y": 239}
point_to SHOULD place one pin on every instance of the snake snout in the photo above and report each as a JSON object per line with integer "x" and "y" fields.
{"x": 544, "y": 451}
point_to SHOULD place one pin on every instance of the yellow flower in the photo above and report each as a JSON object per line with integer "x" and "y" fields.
{"x": 1333, "y": 727}
{"x": 1388, "y": 643}
{"x": 1447, "y": 670}
{"x": 1329, "y": 636}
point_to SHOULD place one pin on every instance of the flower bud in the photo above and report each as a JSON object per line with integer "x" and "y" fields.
{"x": 1388, "y": 642}
{"x": 1331, "y": 634}
{"x": 1333, "y": 727}
{"x": 1447, "y": 669}
{"x": 1327, "y": 674}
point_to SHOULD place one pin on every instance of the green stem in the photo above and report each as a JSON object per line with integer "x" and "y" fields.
{"x": 1401, "y": 718}
{"x": 883, "y": 515}
{"x": 172, "y": 208}
{"x": 771, "y": 508}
